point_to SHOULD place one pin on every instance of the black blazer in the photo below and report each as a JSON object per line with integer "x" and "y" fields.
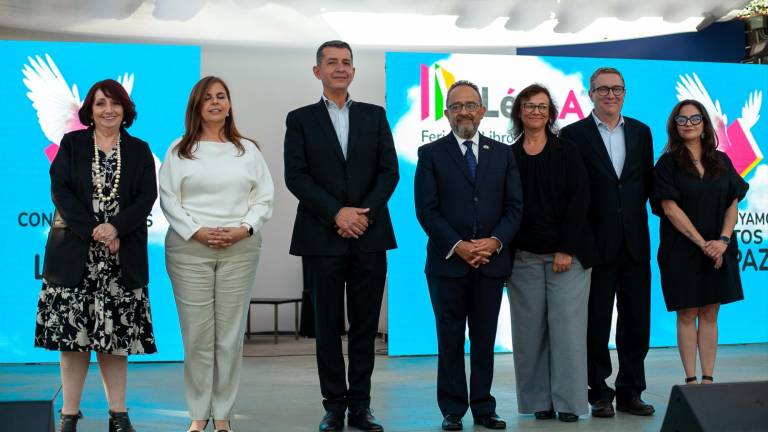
{"x": 324, "y": 182}
{"x": 617, "y": 204}
{"x": 72, "y": 190}
{"x": 448, "y": 201}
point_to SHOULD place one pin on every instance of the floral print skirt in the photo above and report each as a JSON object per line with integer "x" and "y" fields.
{"x": 100, "y": 314}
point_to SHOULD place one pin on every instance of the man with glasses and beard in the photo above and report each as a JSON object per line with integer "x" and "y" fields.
{"x": 618, "y": 154}
{"x": 469, "y": 202}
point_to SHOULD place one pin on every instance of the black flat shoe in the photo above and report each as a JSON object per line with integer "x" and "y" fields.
{"x": 635, "y": 406}
{"x": 491, "y": 421}
{"x": 332, "y": 422}
{"x": 567, "y": 417}
{"x": 452, "y": 423}
{"x": 544, "y": 415}
{"x": 363, "y": 419}
{"x": 603, "y": 408}
{"x": 68, "y": 422}
{"x": 119, "y": 422}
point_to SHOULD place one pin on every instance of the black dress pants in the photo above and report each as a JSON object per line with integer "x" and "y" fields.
{"x": 473, "y": 299}
{"x": 362, "y": 276}
{"x": 629, "y": 282}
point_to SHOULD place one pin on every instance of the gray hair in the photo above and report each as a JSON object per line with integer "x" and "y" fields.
{"x": 464, "y": 83}
{"x": 332, "y": 44}
{"x": 600, "y": 71}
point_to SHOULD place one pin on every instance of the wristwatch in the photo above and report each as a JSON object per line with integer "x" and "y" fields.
{"x": 250, "y": 229}
{"x": 725, "y": 239}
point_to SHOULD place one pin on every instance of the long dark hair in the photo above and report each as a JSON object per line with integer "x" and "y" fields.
{"x": 711, "y": 162}
{"x": 517, "y": 108}
{"x": 193, "y": 124}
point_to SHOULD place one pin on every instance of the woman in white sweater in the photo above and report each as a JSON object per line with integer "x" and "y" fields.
{"x": 216, "y": 192}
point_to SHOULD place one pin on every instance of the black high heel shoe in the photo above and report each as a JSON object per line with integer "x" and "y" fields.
{"x": 200, "y": 430}
{"x": 708, "y": 378}
{"x": 119, "y": 422}
{"x": 68, "y": 422}
{"x": 689, "y": 380}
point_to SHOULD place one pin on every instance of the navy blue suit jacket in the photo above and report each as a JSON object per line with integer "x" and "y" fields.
{"x": 448, "y": 200}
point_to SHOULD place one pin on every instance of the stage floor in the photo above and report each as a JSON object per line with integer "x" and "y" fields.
{"x": 281, "y": 393}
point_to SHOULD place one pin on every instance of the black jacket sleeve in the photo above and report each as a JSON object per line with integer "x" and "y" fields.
{"x": 78, "y": 217}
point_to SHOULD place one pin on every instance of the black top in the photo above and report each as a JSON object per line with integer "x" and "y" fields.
{"x": 688, "y": 277}
{"x": 556, "y": 199}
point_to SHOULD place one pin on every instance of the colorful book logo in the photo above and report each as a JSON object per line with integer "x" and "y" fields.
{"x": 435, "y": 81}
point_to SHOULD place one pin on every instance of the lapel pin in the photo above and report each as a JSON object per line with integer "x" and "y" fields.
{"x": 486, "y": 146}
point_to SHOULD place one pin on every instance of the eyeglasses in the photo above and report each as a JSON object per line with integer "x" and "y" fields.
{"x": 682, "y": 120}
{"x": 603, "y": 90}
{"x": 531, "y": 107}
{"x": 469, "y": 106}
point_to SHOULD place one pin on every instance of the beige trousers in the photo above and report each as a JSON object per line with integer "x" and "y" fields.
{"x": 212, "y": 288}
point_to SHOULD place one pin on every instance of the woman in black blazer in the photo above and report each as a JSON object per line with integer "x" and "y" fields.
{"x": 95, "y": 276}
{"x": 554, "y": 250}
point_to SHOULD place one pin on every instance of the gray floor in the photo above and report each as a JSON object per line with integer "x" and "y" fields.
{"x": 281, "y": 393}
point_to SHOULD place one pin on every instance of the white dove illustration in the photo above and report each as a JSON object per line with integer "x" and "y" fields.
{"x": 736, "y": 139}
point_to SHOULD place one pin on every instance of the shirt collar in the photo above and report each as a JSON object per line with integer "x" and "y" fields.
{"x": 475, "y": 139}
{"x": 604, "y": 124}
{"x": 329, "y": 103}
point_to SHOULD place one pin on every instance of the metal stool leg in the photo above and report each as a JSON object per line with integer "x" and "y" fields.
{"x": 276, "y": 312}
{"x": 248, "y": 328}
{"x": 296, "y": 324}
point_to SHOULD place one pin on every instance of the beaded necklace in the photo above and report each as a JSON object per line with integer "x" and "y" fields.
{"x": 99, "y": 186}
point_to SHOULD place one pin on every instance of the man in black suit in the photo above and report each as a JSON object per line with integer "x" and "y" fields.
{"x": 618, "y": 152}
{"x": 340, "y": 163}
{"x": 469, "y": 202}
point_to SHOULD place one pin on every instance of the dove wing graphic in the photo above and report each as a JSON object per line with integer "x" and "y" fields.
{"x": 56, "y": 104}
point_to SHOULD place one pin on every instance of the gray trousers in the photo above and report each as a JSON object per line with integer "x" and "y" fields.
{"x": 549, "y": 334}
{"x": 212, "y": 288}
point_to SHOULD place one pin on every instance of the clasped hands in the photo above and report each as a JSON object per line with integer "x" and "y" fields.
{"x": 351, "y": 222}
{"x": 106, "y": 234}
{"x": 715, "y": 250}
{"x": 477, "y": 252}
{"x": 220, "y": 237}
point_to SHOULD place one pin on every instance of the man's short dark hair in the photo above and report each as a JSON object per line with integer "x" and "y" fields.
{"x": 332, "y": 44}
{"x": 464, "y": 83}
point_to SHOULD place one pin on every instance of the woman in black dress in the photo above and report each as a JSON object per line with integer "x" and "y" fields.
{"x": 696, "y": 193}
{"x": 95, "y": 276}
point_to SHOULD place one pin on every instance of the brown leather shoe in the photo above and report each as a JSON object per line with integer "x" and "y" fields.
{"x": 635, "y": 406}
{"x": 603, "y": 408}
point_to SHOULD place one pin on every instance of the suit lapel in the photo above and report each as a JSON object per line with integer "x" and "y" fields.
{"x": 452, "y": 147}
{"x": 598, "y": 145}
{"x": 324, "y": 119}
{"x": 628, "y": 145}
{"x": 485, "y": 152}
{"x": 355, "y": 124}
{"x": 84, "y": 152}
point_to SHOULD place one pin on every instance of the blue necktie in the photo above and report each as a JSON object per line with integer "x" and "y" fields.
{"x": 469, "y": 155}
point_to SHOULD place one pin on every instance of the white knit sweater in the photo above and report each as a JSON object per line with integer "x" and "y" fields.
{"x": 216, "y": 189}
